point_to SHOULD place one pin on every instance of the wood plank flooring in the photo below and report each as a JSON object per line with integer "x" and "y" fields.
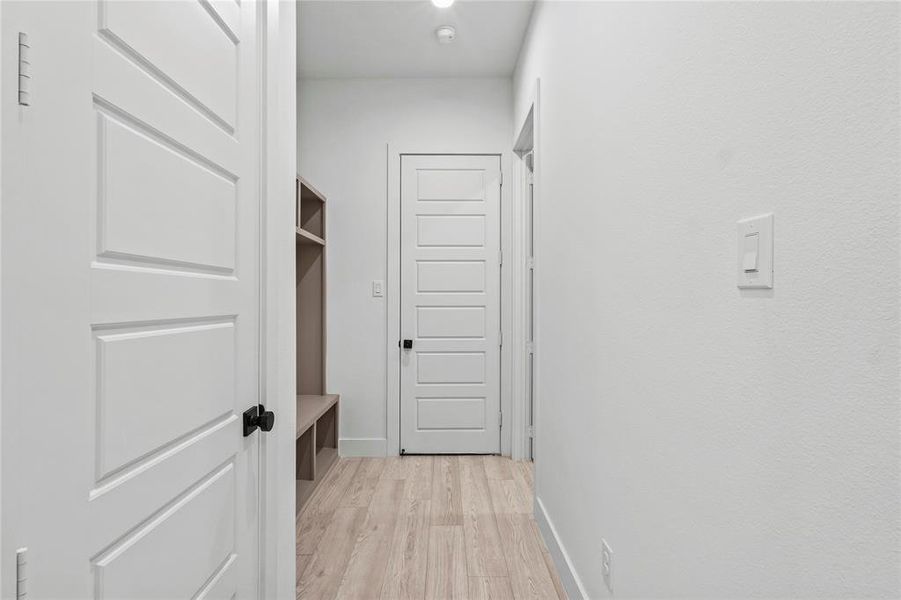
{"x": 424, "y": 527}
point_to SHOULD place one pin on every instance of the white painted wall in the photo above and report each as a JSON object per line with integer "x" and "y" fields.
{"x": 726, "y": 444}
{"x": 343, "y": 128}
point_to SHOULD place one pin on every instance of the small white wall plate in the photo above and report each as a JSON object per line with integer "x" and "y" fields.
{"x": 755, "y": 273}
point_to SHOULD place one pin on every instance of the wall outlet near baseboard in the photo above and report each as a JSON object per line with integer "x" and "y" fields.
{"x": 607, "y": 564}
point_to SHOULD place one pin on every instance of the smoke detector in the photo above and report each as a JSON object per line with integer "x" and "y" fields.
{"x": 446, "y": 34}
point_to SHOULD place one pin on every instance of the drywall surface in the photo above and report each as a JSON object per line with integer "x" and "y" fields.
{"x": 343, "y": 128}
{"x": 726, "y": 444}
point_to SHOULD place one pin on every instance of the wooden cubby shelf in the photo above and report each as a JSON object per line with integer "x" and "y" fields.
{"x": 310, "y": 210}
{"x": 317, "y": 441}
{"x": 310, "y": 407}
{"x": 317, "y": 411}
{"x": 305, "y": 237}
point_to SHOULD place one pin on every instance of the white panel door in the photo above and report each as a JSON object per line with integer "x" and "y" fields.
{"x": 130, "y": 300}
{"x": 450, "y": 304}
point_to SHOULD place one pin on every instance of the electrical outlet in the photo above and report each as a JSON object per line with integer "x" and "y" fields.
{"x": 607, "y": 564}
{"x": 378, "y": 288}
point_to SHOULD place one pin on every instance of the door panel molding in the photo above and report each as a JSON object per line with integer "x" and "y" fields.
{"x": 136, "y": 324}
{"x": 393, "y": 154}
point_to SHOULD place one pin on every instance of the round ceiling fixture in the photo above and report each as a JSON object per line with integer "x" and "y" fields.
{"x": 446, "y": 34}
{"x": 442, "y": 3}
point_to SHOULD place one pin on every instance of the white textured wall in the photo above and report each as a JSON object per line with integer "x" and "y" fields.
{"x": 343, "y": 126}
{"x": 726, "y": 444}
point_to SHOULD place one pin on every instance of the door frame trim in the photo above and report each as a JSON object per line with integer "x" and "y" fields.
{"x": 519, "y": 270}
{"x": 393, "y": 154}
{"x": 278, "y": 152}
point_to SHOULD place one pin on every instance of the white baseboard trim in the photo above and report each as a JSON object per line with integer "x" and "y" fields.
{"x": 354, "y": 447}
{"x": 568, "y": 577}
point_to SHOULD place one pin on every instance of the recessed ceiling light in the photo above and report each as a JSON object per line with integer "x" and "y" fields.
{"x": 442, "y": 3}
{"x": 445, "y": 34}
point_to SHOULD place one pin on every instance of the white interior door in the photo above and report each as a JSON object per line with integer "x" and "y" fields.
{"x": 130, "y": 300}
{"x": 450, "y": 304}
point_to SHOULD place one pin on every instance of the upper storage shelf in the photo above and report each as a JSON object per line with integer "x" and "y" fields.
{"x": 310, "y": 214}
{"x": 305, "y": 237}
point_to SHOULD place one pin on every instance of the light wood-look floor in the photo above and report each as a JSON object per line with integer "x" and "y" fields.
{"x": 424, "y": 527}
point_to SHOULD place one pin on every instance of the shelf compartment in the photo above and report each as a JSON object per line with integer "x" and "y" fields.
{"x": 310, "y": 318}
{"x": 305, "y": 446}
{"x": 310, "y": 407}
{"x": 305, "y": 237}
{"x": 325, "y": 458}
{"x": 317, "y": 442}
{"x": 310, "y": 209}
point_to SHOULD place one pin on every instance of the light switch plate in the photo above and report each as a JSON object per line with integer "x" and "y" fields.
{"x": 378, "y": 288}
{"x": 759, "y": 230}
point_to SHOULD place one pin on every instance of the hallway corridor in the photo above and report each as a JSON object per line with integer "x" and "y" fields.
{"x": 424, "y": 527}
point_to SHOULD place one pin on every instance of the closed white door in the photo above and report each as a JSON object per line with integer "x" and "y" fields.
{"x": 450, "y": 304}
{"x": 130, "y": 300}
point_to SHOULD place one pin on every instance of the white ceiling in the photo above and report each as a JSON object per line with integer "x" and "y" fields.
{"x": 396, "y": 38}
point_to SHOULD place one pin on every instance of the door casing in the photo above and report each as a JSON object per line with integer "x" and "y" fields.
{"x": 527, "y": 137}
{"x": 277, "y": 306}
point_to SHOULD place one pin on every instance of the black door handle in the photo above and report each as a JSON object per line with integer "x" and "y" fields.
{"x": 258, "y": 417}
{"x": 407, "y": 344}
